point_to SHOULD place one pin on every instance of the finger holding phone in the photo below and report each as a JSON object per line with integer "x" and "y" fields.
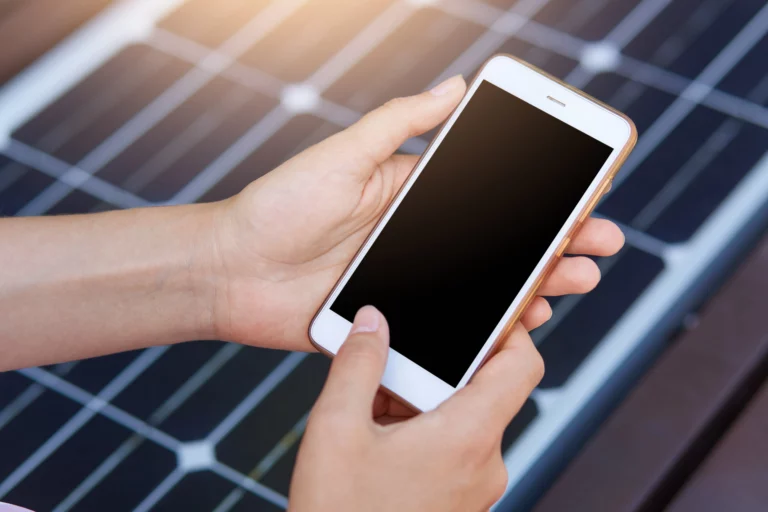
{"x": 448, "y": 459}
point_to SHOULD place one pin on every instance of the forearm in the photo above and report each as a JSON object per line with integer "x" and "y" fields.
{"x": 80, "y": 286}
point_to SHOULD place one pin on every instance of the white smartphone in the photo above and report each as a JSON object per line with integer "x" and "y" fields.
{"x": 488, "y": 209}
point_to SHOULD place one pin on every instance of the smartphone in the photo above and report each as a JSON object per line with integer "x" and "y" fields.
{"x": 486, "y": 212}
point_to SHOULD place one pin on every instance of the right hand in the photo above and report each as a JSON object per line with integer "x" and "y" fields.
{"x": 448, "y": 459}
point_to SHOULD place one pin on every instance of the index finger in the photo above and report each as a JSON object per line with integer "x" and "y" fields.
{"x": 500, "y": 388}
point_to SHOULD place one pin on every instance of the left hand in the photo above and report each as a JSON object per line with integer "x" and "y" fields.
{"x": 282, "y": 243}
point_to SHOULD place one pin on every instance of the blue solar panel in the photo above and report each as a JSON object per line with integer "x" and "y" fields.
{"x": 201, "y": 106}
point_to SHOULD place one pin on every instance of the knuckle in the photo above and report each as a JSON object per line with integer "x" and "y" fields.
{"x": 587, "y": 275}
{"x": 499, "y": 481}
{"x": 395, "y": 104}
{"x": 537, "y": 368}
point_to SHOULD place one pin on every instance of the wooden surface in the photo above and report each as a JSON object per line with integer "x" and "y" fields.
{"x": 735, "y": 475}
{"x": 680, "y": 436}
{"x": 28, "y": 28}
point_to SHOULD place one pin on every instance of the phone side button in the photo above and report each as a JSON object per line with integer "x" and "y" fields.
{"x": 563, "y": 246}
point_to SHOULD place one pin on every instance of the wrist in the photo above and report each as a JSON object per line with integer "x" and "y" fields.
{"x": 203, "y": 266}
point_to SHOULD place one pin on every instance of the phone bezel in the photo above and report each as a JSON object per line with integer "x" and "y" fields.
{"x": 402, "y": 377}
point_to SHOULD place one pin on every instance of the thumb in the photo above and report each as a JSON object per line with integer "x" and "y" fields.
{"x": 357, "y": 368}
{"x": 378, "y": 134}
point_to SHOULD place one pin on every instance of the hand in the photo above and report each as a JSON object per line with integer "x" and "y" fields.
{"x": 448, "y": 459}
{"x": 283, "y": 242}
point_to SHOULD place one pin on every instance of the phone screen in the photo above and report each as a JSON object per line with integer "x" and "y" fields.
{"x": 472, "y": 228}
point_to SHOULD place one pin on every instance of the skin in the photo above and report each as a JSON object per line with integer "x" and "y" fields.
{"x": 448, "y": 459}
{"x": 254, "y": 269}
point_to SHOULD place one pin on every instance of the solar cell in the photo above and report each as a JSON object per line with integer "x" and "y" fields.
{"x": 175, "y": 150}
{"x": 124, "y": 485}
{"x": 28, "y": 427}
{"x": 212, "y": 23}
{"x": 576, "y": 332}
{"x": 587, "y": 19}
{"x": 407, "y": 61}
{"x": 19, "y": 184}
{"x": 199, "y": 415}
{"x": 298, "y": 134}
{"x": 253, "y": 438}
{"x": 312, "y": 35}
{"x": 53, "y": 480}
{"x": 77, "y": 122}
{"x": 203, "y": 106}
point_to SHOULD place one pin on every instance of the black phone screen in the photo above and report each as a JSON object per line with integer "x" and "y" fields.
{"x": 472, "y": 228}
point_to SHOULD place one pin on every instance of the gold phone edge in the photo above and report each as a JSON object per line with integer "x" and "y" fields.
{"x": 583, "y": 214}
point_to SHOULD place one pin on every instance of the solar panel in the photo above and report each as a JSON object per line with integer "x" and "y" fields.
{"x": 169, "y": 102}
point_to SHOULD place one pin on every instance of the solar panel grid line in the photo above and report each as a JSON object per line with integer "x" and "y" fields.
{"x": 249, "y": 484}
{"x": 118, "y": 24}
{"x": 250, "y": 77}
{"x": 566, "y": 304}
{"x": 265, "y": 464}
{"x": 29, "y": 395}
{"x": 230, "y": 500}
{"x": 255, "y": 397}
{"x": 667, "y": 51}
{"x": 686, "y": 263}
{"x": 750, "y": 110}
{"x": 246, "y": 75}
{"x": 212, "y": 366}
{"x": 185, "y": 140}
{"x": 359, "y": 46}
{"x": 200, "y": 55}
{"x": 72, "y": 176}
{"x": 210, "y": 176}
{"x": 120, "y": 382}
{"x": 85, "y": 399}
{"x": 573, "y": 47}
{"x": 160, "y": 491}
{"x": 127, "y": 81}
{"x": 653, "y": 76}
{"x": 286, "y": 442}
{"x": 168, "y": 101}
{"x": 343, "y": 60}
{"x": 715, "y": 71}
{"x": 98, "y": 474}
{"x": 552, "y": 39}
{"x": 501, "y": 25}
{"x": 643, "y": 241}
{"x": 621, "y": 35}
{"x": 246, "y": 144}
{"x": 546, "y": 398}
{"x": 636, "y": 21}
{"x": 573, "y": 53}
{"x": 143, "y": 429}
{"x": 683, "y": 178}
{"x": 123, "y": 137}
{"x": 172, "y": 403}
{"x": 21, "y": 402}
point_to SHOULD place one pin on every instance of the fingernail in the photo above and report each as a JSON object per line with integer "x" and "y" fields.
{"x": 445, "y": 87}
{"x": 366, "y": 320}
